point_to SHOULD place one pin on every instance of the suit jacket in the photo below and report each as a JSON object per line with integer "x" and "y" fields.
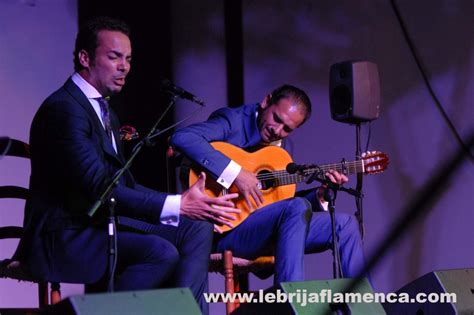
{"x": 71, "y": 162}
{"x": 237, "y": 126}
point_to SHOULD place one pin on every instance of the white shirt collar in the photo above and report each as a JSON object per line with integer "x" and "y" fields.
{"x": 92, "y": 95}
{"x": 86, "y": 87}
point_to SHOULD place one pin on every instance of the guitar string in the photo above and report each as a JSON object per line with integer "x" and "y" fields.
{"x": 282, "y": 174}
{"x": 350, "y": 167}
{"x": 286, "y": 178}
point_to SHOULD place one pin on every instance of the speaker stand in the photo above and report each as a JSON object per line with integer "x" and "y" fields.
{"x": 359, "y": 214}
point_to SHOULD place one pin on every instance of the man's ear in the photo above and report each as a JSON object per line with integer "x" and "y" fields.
{"x": 266, "y": 101}
{"x": 84, "y": 58}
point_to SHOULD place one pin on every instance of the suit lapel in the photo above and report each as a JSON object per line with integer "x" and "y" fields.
{"x": 116, "y": 133}
{"x": 120, "y": 150}
{"x": 82, "y": 100}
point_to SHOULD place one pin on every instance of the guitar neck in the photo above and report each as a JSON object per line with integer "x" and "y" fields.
{"x": 279, "y": 178}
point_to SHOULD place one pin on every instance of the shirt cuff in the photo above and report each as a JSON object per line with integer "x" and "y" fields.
{"x": 229, "y": 174}
{"x": 324, "y": 205}
{"x": 170, "y": 212}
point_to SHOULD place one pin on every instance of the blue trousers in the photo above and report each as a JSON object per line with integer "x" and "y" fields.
{"x": 166, "y": 256}
{"x": 278, "y": 229}
{"x": 193, "y": 242}
{"x": 349, "y": 241}
{"x": 288, "y": 229}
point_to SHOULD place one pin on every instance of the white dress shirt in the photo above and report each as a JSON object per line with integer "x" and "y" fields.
{"x": 172, "y": 205}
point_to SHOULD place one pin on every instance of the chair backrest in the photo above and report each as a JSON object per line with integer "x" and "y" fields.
{"x": 8, "y": 267}
{"x": 16, "y": 148}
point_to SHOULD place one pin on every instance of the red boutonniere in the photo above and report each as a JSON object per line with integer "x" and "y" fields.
{"x": 128, "y": 133}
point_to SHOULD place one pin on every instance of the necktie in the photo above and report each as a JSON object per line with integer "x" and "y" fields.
{"x": 104, "y": 112}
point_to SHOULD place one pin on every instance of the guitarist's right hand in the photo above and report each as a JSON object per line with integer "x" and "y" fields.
{"x": 195, "y": 204}
{"x": 248, "y": 185}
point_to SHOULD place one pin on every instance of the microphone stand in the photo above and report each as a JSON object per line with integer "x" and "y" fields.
{"x": 107, "y": 199}
{"x": 330, "y": 194}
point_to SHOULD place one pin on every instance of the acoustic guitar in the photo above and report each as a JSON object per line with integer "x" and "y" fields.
{"x": 269, "y": 165}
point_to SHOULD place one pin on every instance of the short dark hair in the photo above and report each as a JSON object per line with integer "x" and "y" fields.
{"x": 294, "y": 93}
{"x": 88, "y": 32}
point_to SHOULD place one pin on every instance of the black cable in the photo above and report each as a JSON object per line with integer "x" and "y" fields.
{"x": 427, "y": 82}
{"x": 368, "y": 137}
{"x": 159, "y": 132}
{"x": 418, "y": 207}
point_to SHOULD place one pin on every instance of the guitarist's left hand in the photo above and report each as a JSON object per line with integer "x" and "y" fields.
{"x": 336, "y": 178}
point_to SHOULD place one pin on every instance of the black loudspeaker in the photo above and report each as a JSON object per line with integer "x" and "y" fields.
{"x": 459, "y": 282}
{"x": 354, "y": 91}
{"x": 163, "y": 301}
{"x": 312, "y": 297}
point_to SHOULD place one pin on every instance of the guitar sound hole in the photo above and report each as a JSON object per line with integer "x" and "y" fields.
{"x": 267, "y": 179}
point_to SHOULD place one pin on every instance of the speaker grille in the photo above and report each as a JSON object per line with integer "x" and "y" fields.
{"x": 341, "y": 102}
{"x": 354, "y": 91}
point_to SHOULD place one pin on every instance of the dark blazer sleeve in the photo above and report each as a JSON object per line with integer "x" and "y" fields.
{"x": 193, "y": 141}
{"x": 79, "y": 152}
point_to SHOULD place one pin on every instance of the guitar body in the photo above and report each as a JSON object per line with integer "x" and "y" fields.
{"x": 269, "y": 165}
{"x": 265, "y": 160}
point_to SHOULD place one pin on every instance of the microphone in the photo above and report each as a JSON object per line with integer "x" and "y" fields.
{"x": 293, "y": 168}
{"x": 168, "y": 86}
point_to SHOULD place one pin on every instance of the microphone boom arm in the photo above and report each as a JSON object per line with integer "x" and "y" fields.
{"x": 317, "y": 174}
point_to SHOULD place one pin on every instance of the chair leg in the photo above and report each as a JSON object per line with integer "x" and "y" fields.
{"x": 43, "y": 294}
{"x": 55, "y": 292}
{"x": 229, "y": 280}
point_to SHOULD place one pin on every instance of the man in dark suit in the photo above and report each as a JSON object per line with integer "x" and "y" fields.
{"x": 74, "y": 153}
{"x": 276, "y": 228}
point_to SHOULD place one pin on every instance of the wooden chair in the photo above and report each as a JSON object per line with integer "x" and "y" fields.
{"x": 10, "y": 268}
{"x": 236, "y": 271}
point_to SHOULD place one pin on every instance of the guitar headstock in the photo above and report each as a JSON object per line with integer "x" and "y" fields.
{"x": 374, "y": 162}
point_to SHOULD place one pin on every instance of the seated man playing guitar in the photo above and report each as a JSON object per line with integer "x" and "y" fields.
{"x": 287, "y": 228}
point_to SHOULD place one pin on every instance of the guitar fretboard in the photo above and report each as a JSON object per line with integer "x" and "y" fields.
{"x": 282, "y": 177}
